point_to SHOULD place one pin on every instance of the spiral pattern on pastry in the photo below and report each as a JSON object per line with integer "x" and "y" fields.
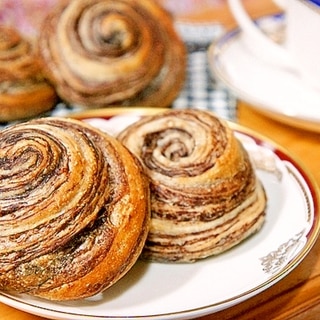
{"x": 23, "y": 90}
{"x": 103, "y": 52}
{"x": 74, "y": 209}
{"x": 205, "y": 197}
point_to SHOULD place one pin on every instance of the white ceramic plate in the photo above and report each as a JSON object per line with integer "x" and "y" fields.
{"x": 276, "y": 92}
{"x": 182, "y": 291}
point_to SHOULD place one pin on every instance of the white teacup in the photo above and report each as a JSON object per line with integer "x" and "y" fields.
{"x": 301, "y": 51}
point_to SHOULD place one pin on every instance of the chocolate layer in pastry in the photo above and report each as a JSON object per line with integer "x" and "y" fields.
{"x": 24, "y": 92}
{"x": 101, "y": 52}
{"x": 74, "y": 209}
{"x": 205, "y": 196}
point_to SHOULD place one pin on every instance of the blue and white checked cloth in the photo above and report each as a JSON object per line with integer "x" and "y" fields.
{"x": 202, "y": 90}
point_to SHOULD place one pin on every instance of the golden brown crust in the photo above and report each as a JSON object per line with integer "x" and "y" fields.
{"x": 24, "y": 92}
{"x": 205, "y": 197}
{"x": 126, "y": 52}
{"x": 74, "y": 209}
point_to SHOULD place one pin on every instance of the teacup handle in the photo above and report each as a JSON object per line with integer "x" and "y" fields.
{"x": 256, "y": 40}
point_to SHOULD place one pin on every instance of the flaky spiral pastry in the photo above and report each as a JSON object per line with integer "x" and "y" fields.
{"x": 23, "y": 90}
{"x": 74, "y": 209}
{"x": 103, "y": 52}
{"x": 205, "y": 197}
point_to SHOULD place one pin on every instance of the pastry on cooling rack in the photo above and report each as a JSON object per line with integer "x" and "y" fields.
{"x": 74, "y": 209}
{"x": 24, "y": 92}
{"x": 205, "y": 196}
{"x": 99, "y": 53}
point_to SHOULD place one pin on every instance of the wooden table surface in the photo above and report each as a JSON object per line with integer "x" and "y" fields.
{"x": 297, "y": 296}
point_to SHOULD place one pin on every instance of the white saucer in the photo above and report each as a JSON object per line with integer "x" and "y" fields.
{"x": 274, "y": 92}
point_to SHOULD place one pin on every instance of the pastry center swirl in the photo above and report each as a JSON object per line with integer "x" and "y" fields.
{"x": 183, "y": 150}
{"x": 17, "y": 59}
{"x": 39, "y": 166}
{"x": 11, "y": 43}
{"x": 27, "y": 163}
{"x": 115, "y": 32}
{"x": 109, "y": 30}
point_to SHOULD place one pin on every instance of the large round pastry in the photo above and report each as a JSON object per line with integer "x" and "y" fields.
{"x": 205, "y": 196}
{"x": 103, "y": 52}
{"x": 24, "y": 92}
{"x": 74, "y": 209}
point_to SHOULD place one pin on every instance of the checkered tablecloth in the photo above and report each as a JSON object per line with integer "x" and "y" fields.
{"x": 202, "y": 90}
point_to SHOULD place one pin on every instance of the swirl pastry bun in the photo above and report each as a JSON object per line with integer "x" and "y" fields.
{"x": 74, "y": 209}
{"x": 205, "y": 196}
{"x": 103, "y": 52}
{"x": 24, "y": 92}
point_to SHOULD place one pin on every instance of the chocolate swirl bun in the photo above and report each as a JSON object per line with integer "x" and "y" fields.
{"x": 205, "y": 197}
{"x": 103, "y": 52}
{"x": 74, "y": 209}
{"x": 23, "y": 90}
